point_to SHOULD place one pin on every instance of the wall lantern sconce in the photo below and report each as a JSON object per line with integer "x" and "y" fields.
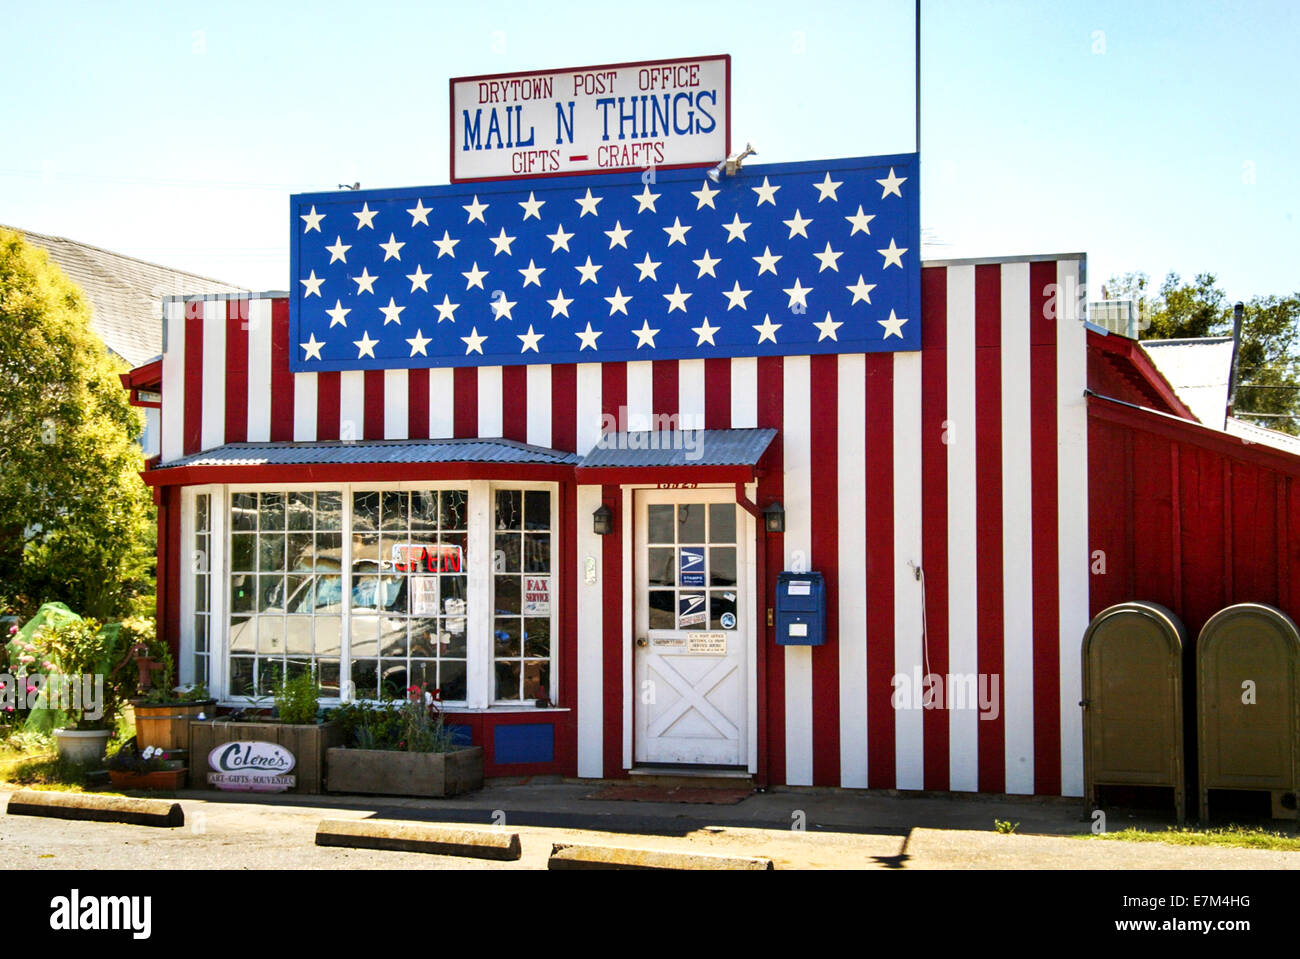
{"x": 602, "y": 521}
{"x": 774, "y": 518}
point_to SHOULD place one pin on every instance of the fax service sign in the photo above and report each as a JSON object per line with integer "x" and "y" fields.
{"x": 604, "y": 119}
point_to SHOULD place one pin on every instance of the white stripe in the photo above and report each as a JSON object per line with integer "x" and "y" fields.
{"x": 352, "y": 405}
{"x": 305, "y": 392}
{"x": 173, "y": 383}
{"x": 852, "y": 526}
{"x": 590, "y": 656}
{"x": 628, "y": 719}
{"x": 690, "y": 394}
{"x": 963, "y": 604}
{"x": 909, "y": 736}
{"x": 396, "y": 403}
{"x": 744, "y": 393}
{"x": 539, "y": 404}
{"x": 213, "y": 430}
{"x": 797, "y": 439}
{"x": 640, "y": 396}
{"x": 442, "y": 403}
{"x": 259, "y": 370}
{"x": 1017, "y": 532}
{"x": 489, "y": 401}
{"x": 1072, "y": 522}
{"x": 588, "y": 407}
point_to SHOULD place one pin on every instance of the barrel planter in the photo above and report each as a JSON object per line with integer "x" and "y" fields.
{"x": 307, "y": 744}
{"x": 167, "y": 725}
{"x": 393, "y": 773}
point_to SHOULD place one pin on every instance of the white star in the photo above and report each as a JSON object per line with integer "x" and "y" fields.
{"x": 588, "y": 337}
{"x": 419, "y": 279}
{"x": 502, "y": 307}
{"x": 737, "y": 296}
{"x": 677, "y": 299}
{"x": 618, "y": 236}
{"x": 893, "y": 326}
{"x": 532, "y": 273}
{"x": 588, "y": 203}
{"x": 893, "y": 255}
{"x": 365, "y": 281}
{"x": 473, "y": 342}
{"x": 828, "y": 258}
{"x": 419, "y": 341}
{"x": 474, "y": 277}
{"x": 312, "y": 220}
{"x": 766, "y": 193}
{"x": 312, "y": 283}
{"x": 365, "y": 217}
{"x": 705, "y": 196}
{"x": 338, "y": 315}
{"x": 560, "y": 304}
{"x": 706, "y": 264}
{"x": 339, "y": 250}
{"x": 392, "y": 312}
{"x": 705, "y": 333}
{"x": 365, "y": 346}
{"x": 559, "y": 239}
{"x": 677, "y": 232}
{"x": 736, "y": 229}
{"x": 392, "y": 249}
{"x": 766, "y": 262}
{"x": 645, "y": 335}
{"x": 502, "y": 242}
{"x": 532, "y": 206}
{"x": 861, "y": 290}
{"x": 647, "y": 268}
{"x": 798, "y": 294}
{"x": 646, "y": 200}
{"x": 860, "y": 221}
{"x": 798, "y": 226}
{"x": 828, "y": 328}
{"x": 312, "y": 346}
{"x": 891, "y": 184}
{"x": 767, "y": 329}
{"x": 618, "y": 302}
{"x": 475, "y": 211}
{"x": 446, "y": 309}
{"x": 588, "y": 271}
{"x": 828, "y": 187}
{"x": 530, "y": 340}
{"x": 420, "y": 214}
{"x": 446, "y": 246}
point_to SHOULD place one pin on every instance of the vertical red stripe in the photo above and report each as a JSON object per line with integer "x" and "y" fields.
{"x": 879, "y": 493}
{"x": 328, "y": 401}
{"x": 717, "y": 394}
{"x": 771, "y": 488}
{"x": 664, "y": 376}
{"x": 564, "y": 407}
{"x": 823, "y": 399}
{"x": 237, "y": 370}
{"x": 988, "y": 514}
{"x": 514, "y": 403}
{"x": 417, "y": 404}
{"x": 281, "y": 378}
{"x": 1045, "y": 559}
{"x": 613, "y": 389}
{"x": 935, "y": 437}
{"x": 612, "y": 646}
{"x": 373, "y": 416}
{"x": 465, "y": 414}
{"x": 192, "y": 437}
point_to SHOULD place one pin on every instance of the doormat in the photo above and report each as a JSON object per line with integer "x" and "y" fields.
{"x": 721, "y": 796}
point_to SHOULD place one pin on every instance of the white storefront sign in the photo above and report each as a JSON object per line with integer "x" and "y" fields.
{"x": 250, "y": 766}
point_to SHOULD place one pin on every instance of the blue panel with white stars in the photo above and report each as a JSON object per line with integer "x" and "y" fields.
{"x": 778, "y": 260}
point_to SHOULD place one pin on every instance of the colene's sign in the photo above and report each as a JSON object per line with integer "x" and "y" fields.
{"x": 604, "y": 119}
{"x": 251, "y": 766}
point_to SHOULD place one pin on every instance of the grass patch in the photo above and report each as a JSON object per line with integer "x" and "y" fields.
{"x": 47, "y": 772}
{"x": 1239, "y": 837}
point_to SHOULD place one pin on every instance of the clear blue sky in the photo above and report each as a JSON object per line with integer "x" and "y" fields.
{"x": 1155, "y": 135}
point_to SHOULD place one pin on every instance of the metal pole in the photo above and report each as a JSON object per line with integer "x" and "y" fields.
{"x": 1237, "y": 312}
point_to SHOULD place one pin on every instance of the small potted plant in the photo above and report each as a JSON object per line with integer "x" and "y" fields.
{"x": 151, "y": 768}
{"x": 81, "y": 653}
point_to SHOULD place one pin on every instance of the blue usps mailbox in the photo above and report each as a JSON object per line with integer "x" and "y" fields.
{"x": 800, "y": 609}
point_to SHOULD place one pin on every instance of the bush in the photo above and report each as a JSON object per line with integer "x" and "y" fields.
{"x": 413, "y": 725}
{"x": 296, "y": 699}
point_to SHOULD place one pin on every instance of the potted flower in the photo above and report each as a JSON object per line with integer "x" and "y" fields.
{"x": 75, "y": 658}
{"x": 150, "y": 768}
{"x": 401, "y": 749}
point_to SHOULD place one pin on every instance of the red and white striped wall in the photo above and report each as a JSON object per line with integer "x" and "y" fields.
{"x": 967, "y": 460}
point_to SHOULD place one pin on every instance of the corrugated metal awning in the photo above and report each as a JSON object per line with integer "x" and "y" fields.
{"x": 376, "y": 452}
{"x": 688, "y": 455}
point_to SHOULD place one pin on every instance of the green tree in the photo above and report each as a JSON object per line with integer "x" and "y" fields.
{"x": 76, "y": 522}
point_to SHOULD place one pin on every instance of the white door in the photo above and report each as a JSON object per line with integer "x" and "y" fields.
{"x": 691, "y": 636}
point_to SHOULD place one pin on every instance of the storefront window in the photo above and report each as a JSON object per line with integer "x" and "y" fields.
{"x": 202, "y": 582}
{"x": 522, "y": 589}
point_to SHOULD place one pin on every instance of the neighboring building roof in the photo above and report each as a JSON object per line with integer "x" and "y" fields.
{"x": 125, "y": 294}
{"x": 1197, "y": 369}
{"x": 679, "y": 448}
{"x": 375, "y": 452}
{"x": 1119, "y": 369}
{"x": 1258, "y": 434}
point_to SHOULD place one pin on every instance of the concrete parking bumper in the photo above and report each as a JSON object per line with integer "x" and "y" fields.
{"x": 401, "y": 836}
{"x": 95, "y": 808}
{"x": 577, "y": 856}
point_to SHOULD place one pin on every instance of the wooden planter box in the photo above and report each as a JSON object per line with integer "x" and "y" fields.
{"x": 388, "y": 772}
{"x": 167, "y": 725}
{"x": 169, "y": 779}
{"x": 307, "y": 743}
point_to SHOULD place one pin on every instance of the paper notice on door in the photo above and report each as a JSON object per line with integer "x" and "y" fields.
{"x": 707, "y": 644}
{"x": 424, "y": 595}
{"x": 537, "y": 596}
{"x": 670, "y": 641}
